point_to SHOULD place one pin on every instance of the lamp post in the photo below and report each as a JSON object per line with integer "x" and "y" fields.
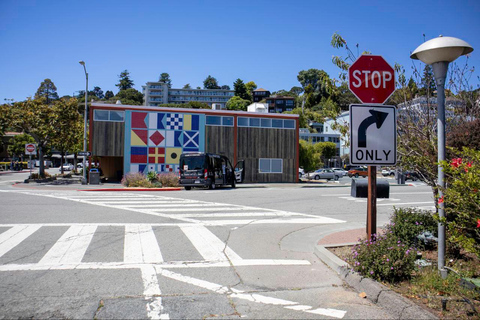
{"x": 85, "y": 123}
{"x": 438, "y": 53}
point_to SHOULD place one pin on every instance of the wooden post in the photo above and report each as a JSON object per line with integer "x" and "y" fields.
{"x": 372, "y": 202}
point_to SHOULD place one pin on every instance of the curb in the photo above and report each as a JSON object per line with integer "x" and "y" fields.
{"x": 132, "y": 189}
{"x": 398, "y": 306}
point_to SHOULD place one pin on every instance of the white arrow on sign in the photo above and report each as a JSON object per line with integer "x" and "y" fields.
{"x": 373, "y": 135}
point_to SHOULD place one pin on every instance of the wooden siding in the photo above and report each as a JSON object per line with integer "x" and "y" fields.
{"x": 256, "y": 143}
{"x": 220, "y": 140}
{"x": 108, "y": 138}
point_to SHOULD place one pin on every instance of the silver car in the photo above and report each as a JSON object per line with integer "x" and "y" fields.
{"x": 328, "y": 174}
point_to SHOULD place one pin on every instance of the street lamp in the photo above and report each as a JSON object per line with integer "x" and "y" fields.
{"x": 438, "y": 53}
{"x": 85, "y": 124}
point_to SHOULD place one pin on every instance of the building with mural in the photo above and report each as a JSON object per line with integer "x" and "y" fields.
{"x": 141, "y": 139}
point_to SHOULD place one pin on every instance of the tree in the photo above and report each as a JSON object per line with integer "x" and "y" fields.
{"x": 187, "y": 86}
{"x": 17, "y": 146}
{"x": 240, "y": 89}
{"x": 165, "y": 78}
{"x": 97, "y": 92}
{"x": 68, "y": 128}
{"x": 210, "y": 83}
{"x": 130, "y": 96}
{"x": 237, "y": 103}
{"x": 250, "y": 86}
{"x": 225, "y": 87}
{"x": 317, "y": 83}
{"x": 109, "y": 94}
{"x": 465, "y": 134}
{"x": 5, "y": 118}
{"x": 296, "y": 91}
{"x": 326, "y": 150}
{"x": 47, "y": 90}
{"x": 308, "y": 157}
{"x": 125, "y": 82}
{"x": 38, "y": 119}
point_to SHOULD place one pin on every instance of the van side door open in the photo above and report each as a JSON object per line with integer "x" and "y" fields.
{"x": 240, "y": 171}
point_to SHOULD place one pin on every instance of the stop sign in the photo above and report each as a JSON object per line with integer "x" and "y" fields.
{"x": 30, "y": 148}
{"x": 371, "y": 79}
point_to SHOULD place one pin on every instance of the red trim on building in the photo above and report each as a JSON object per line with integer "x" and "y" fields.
{"x": 201, "y": 111}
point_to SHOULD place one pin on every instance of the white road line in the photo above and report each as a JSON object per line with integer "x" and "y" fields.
{"x": 236, "y": 214}
{"x": 141, "y": 245}
{"x": 166, "y": 265}
{"x": 152, "y": 293}
{"x": 71, "y": 246}
{"x": 208, "y": 245}
{"x": 14, "y": 236}
{"x": 254, "y": 297}
{"x": 155, "y": 204}
{"x": 403, "y": 204}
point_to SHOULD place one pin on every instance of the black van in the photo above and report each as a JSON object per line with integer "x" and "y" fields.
{"x": 209, "y": 170}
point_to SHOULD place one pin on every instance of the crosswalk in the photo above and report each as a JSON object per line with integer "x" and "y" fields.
{"x": 76, "y": 244}
{"x": 187, "y": 229}
{"x": 187, "y": 211}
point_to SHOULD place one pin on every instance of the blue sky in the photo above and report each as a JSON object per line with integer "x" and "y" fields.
{"x": 268, "y": 42}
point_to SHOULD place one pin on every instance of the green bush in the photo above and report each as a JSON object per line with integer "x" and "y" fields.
{"x": 36, "y": 176}
{"x": 462, "y": 200}
{"x": 151, "y": 176}
{"x": 407, "y": 223}
{"x": 136, "y": 179}
{"x": 169, "y": 179}
{"x": 385, "y": 258}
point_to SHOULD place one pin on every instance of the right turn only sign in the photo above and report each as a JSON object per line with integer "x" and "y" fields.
{"x": 373, "y": 135}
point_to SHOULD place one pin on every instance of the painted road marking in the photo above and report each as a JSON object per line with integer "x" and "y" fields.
{"x": 14, "y": 236}
{"x": 208, "y": 245}
{"x": 141, "y": 245}
{"x": 71, "y": 246}
{"x": 252, "y": 297}
{"x": 179, "y": 209}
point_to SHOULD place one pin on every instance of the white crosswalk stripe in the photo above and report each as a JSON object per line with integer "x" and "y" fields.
{"x": 188, "y": 211}
{"x": 71, "y": 247}
{"x": 140, "y": 247}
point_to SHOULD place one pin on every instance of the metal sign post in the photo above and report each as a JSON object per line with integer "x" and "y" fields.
{"x": 372, "y": 80}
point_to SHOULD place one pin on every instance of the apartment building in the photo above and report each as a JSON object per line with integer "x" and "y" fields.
{"x": 157, "y": 93}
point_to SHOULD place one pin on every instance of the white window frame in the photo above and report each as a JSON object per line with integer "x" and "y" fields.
{"x": 270, "y": 160}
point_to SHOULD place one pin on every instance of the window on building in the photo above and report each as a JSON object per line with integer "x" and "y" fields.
{"x": 227, "y": 121}
{"x": 242, "y": 122}
{"x": 277, "y": 123}
{"x": 289, "y": 102}
{"x": 270, "y": 165}
{"x": 108, "y": 115}
{"x": 289, "y": 124}
{"x": 266, "y": 123}
{"x": 254, "y": 122}
{"x": 214, "y": 120}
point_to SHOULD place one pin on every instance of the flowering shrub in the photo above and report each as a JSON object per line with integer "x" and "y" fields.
{"x": 136, "y": 179}
{"x": 462, "y": 200}
{"x": 385, "y": 258}
{"x": 407, "y": 223}
{"x": 169, "y": 179}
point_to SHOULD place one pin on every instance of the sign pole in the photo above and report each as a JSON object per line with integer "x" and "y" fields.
{"x": 372, "y": 202}
{"x": 30, "y": 165}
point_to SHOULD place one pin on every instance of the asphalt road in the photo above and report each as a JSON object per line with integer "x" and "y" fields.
{"x": 225, "y": 253}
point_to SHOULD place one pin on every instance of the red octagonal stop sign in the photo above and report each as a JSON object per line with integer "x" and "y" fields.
{"x": 371, "y": 79}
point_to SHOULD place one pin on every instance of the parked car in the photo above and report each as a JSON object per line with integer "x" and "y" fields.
{"x": 340, "y": 171}
{"x": 301, "y": 172}
{"x": 358, "y": 172}
{"x": 388, "y": 172}
{"x": 328, "y": 174}
{"x": 209, "y": 170}
{"x": 411, "y": 175}
{"x": 67, "y": 167}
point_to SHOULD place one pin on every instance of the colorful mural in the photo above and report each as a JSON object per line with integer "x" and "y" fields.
{"x": 154, "y": 141}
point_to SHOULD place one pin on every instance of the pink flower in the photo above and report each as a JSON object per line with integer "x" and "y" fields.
{"x": 456, "y": 162}
{"x": 478, "y": 223}
{"x": 469, "y": 165}
{"x": 440, "y": 200}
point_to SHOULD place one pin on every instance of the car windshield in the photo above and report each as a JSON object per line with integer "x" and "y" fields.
{"x": 193, "y": 163}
